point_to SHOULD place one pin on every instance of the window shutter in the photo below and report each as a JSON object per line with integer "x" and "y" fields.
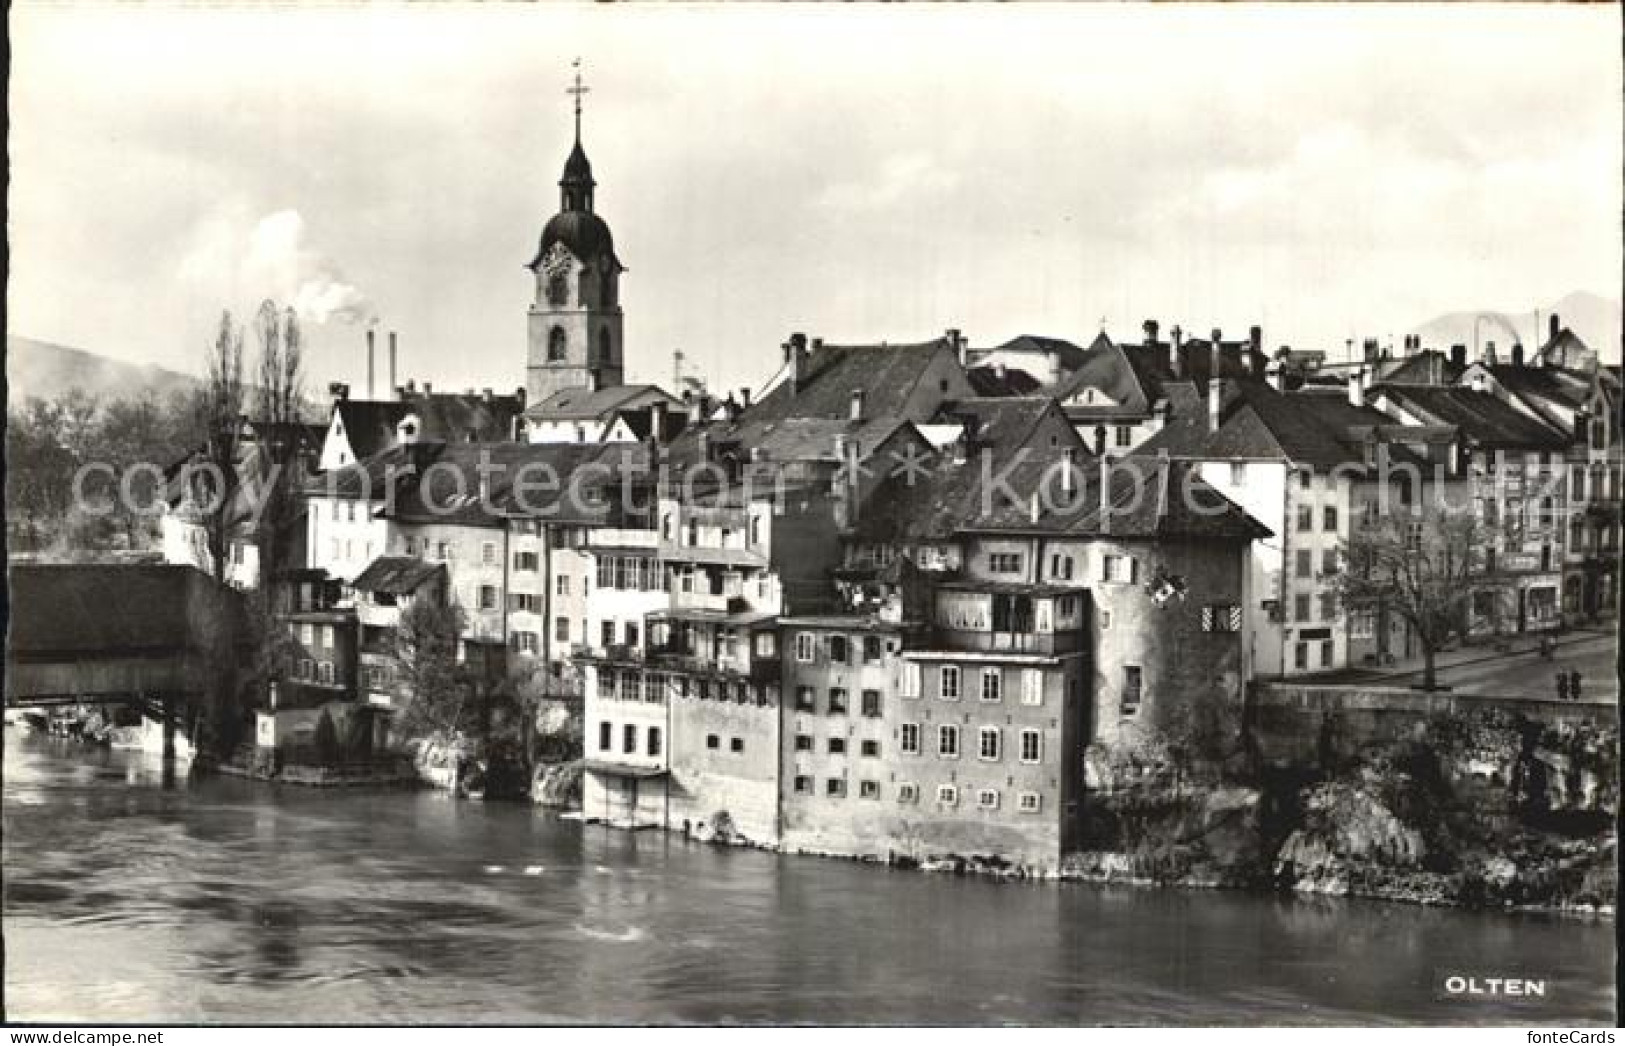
{"x": 1032, "y": 687}
{"x": 1235, "y": 617}
{"x": 1207, "y": 619}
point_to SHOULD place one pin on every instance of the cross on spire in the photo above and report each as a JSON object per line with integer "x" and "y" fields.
{"x": 578, "y": 90}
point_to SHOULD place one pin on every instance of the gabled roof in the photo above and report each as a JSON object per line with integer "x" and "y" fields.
{"x": 466, "y": 417}
{"x": 889, "y": 375}
{"x": 1136, "y": 375}
{"x": 1428, "y": 367}
{"x": 1309, "y": 427}
{"x": 397, "y": 575}
{"x": 1003, "y": 425}
{"x": 1068, "y": 354}
{"x": 369, "y": 425}
{"x": 1480, "y": 417}
{"x": 1146, "y": 498}
{"x": 1002, "y": 381}
{"x": 595, "y": 404}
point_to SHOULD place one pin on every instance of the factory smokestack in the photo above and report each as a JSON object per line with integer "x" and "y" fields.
{"x": 392, "y": 362}
{"x": 370, "y": 340}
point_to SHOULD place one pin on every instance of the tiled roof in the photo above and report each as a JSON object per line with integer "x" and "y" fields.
{"x": 585, "y": 403}
{"x": 369, "y": 425}
{"x": 889, "y": 375}
{"x": 1013, "y": 381}
{"x": 467, "y": 417}
{"x": 1310, "y": 427}
{"x": 1004, "y": 425}
{"x": 398, "y": 575}
{"x": 1428, "y": 367}
{"x": 1479, "y": 416}
{"x": 1066, "y": 352}
{"x": 96, "y": 609}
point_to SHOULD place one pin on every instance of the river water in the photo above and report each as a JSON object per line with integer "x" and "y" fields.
{"x": 129, "y": 898}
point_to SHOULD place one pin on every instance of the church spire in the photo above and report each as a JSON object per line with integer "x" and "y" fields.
{"x": 575, "y": 188}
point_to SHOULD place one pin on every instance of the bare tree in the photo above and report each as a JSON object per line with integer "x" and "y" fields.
{"x": 217, "y": 408}
{"x": 1424, "y": 566}
{"x": 275, "y": 472}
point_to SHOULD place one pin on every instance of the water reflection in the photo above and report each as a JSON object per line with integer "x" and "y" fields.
{"x": 226, "y": 900}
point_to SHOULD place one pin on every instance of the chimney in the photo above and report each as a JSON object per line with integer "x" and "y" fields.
{"x": 485, "y": 394}
{"x": 1555, "y": 325}
{"x": 744, "y": 399}
{"x": 999, "y": 370}
{"x": 339, "y": 391}
{"x": 1176, "y": 343}
{"x": 857, "y": 405}
{"x": 696, "y": 407}
{"x": 1214, "y": 384}
{"x": 657, "y": 420}
{"x": 371, "y": 337}
{"x": 1066, "y": 474}
{"x": 840, "y": 447}
{"x": 1033, "y": 507}
{"x": 1150, "y": 327}
{"x": 1357, "y": 387}
{"x": 1458, "y": 355}
{"x": 705, "y": 446}
{"x": 519, "y": 396}
{"x": 1517, "y": 354}
{"x": 796, "y": 355}
{"x": 428, "y": 389}
{"x": 959, "y": 344}
{"x": 392, "y": 361}
{"x": 1489, "y": 353}
{"x": 409, "y": 389}
{"x": 592, "y": 380}
{"x": 1371, "y": 351}
{"x": 1272, "y": 374}
{"x": 1105, "y": 498}
{"x": 1255, "y": 340}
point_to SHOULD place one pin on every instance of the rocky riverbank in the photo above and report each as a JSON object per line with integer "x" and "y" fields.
{"x": 1485, "y": 810}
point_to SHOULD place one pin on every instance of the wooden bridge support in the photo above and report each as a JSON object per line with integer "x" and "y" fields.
{"x": 169, "y": 728}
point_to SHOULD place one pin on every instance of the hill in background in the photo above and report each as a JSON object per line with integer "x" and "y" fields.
{"x": 1594, "y": 318}
{"x": 40, "y": 368}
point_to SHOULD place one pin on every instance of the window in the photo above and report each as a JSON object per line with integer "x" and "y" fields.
{"x": 1301, "y": 610}
{"x": 804, "y": 786}
{"x": 525, "y": 603}
{"x": 606, "y": 686}
{"x": 1221, "y": 617}
{"x": 555, "y": 338}
{"x": 868, "y": 789}
{"x": 1329, "y": 518}
{"x": 1300, "y": 656}
{"x": 948, "y": 741}
{"x": 606, "y": 734}
{"x": 766, "y": 644}
{"x": 988, "y": 743}
{"x": 713, "y": 742}
{"x": 1306, "y": 479}
{"x": 1305, "y": 563}
{"x": 1124, "y": 436}
{"x": 654, "y": 740}
{"x": 836, "y": 746}
{"x": 1306, "y": 517}
{"x": 1326, "y": 653}
{"x": 1328, "y": 561}
{"x": 629, "y": 738}
{"x": 631, "y": 633}
{"x": 1131, "y": 689}
{"x": 948, "y": 683}
{"x": 736, "y": 745}
{"x": 607, "y": 633}
{"x": 992, "y": 684}
{"x": 908, "y": 792}
{"x": 871, "y": 648}
{"x": 1105, "y": 620}
{"x": 1028, "y": 802}
{"x": 488, "y": 554}
{"x": 870, "y": 749}
{"x": 871, "y": 704}
{"x": 805, "y": 701}
{"x": 804, "y": 646}
{"x": 804, "y": 743}
{"x": 1004, "y": 562}
{"x": 987, "y": 799}
{"x": 909, "y": 739}
{"x": 324, "y": 672}
{"x": 1032, "y": 746}
{"x": 947, "y": 795}
{"x": 442, "y": 550}
{"x": 835, "y": 788}
{"x": 1238, "y": 473}
{"x": 526, "y": 642}
{"x": 837, "y": 701}
{"x": 1328, "y": 606}
{"x": 1118, "y": 569}
{"x": 561, "y": 630}
{"x": 911, "y": 679}
{"x": 839, "y": 650}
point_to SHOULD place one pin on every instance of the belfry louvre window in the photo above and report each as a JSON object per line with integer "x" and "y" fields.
{"x": 1221, "y": 617}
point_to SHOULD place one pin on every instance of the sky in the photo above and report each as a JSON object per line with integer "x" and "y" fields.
{"x": 858, "y": 173}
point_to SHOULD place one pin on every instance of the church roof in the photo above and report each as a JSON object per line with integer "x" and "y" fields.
{"x": 583, "y": 234}
{"x": 577, "y": 169}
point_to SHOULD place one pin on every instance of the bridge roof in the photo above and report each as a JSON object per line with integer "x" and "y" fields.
{"x": 98, "y": 609}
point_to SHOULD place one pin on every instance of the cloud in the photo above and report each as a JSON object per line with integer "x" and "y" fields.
{"x": 275, "y": 260}
{"x": 901, "y": 177}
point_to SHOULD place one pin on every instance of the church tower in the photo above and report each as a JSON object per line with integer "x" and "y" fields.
{"x": 575, "y": 318}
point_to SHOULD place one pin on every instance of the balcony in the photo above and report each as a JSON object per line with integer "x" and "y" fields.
{"x": 701, "y": 601}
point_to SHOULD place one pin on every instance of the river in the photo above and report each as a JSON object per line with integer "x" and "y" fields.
{"x": 129, "y": 898}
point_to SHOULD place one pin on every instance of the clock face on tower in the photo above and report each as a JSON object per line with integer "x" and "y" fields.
{"x": 556, "y": 270}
